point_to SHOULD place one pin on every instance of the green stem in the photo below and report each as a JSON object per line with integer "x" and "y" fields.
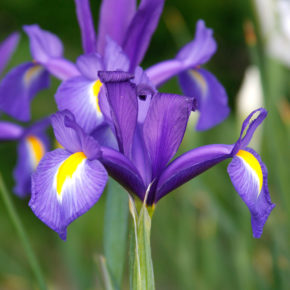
{"x": 22, "y": 235}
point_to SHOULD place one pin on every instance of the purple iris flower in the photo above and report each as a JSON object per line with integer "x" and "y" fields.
{"x": 195, "y": 81}
{"x": 148, "y": 127}
{"x": 32, "y": 145}
{"x": 7, "y": 47}
{"x": 22, "y": 83}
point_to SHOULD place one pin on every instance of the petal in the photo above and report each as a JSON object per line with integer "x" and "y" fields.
{"x": 64, "y": 187}
{"x": 195, "y": 53}
{"x": 10, "y": 131}
{"x": 82, "y": 97}
{"x": 164, "y": 128}
{"x": 7, "y": 47}
{"x": 89, "y": 65}
{"x": 61, "y": 68}
{"x": 140, "y": 30}
{"x": 71, "y": 136}
{"x": 115, "y": 17}
{"x": 121, "y": 94}
{"x": 114, "y": 57}
{"x": 249, "y": 177}
{"x": 249, "y": 127}
{"x": 86, "y": 25}
{"x": 211, "y": 97}
{"x": 123, "y": 170}
{"x": 31, "y": 150}
{"x": 19, "y": 86}
{"x": 43, "y": 44}
{"x": 189, "y": 165}
{"x": 105, "y": 136}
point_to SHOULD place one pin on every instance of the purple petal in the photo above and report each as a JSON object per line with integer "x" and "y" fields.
{"x": 79, "y": 96}
{"x": 71, "y": 136}
{"x": 105, "y": 136}
{"x": 123, "y": 170}
{"x": 115, "y": 17}
{"x": 89, "y": 65}
{"x": 122, "y": 98}
{"x": 43, "y": 44}
{"x": 61, "y": 68}
{"x": 164, "y": 128}
{"x": 249, "y": 177}
{"x": 86, "y": 24}
{"x": 19, "y": 86}
{"x": 140, "y": 30}
{"x": 7, "y": 47}
{"x": 189, "y": 165}
{"x": 249, "y": 127}
{"x": 10, "y": 131}
{"x": 31, "y": 150}
{"x": 114, "y": 57}
{"x": 195, "y": 53}
{"x": 64, "y": 187}
{"x": 211, "y": 97}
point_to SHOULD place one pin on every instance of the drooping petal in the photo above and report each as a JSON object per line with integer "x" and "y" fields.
{"x": 249, "y": 177}
{"x": 140, "y": 30}
{"x": 7, "y": 48}
{"x": 164, "y": 128}
{"x": 123, "y": 170}
{"x": 30, "y": 151}
{"x": 211, "y": 97}
{"x": 115, "y": 17}
{"x": 19, "y": 86}
{"x": 72, "y": 137}
{"x": 189, "y": 165}
{"x": 43, "y": 44}
{"x": 10, "y": 131}
{"x": 114, "y": 57}
{"x": 123, "y": 102}
{"x": 195, "y": 53}
{"x": 64, "y": 187}
{"x": 82, "y": 97}
{"x": 86, "y": 25}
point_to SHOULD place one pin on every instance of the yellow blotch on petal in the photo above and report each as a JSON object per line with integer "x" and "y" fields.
{"x": 36, "y": 147}
{"x": 67, "y": 169}
{"x": 96, "y": 90}
{"x": 200, "y": 79}
{"x": 31, "y": 73}
{"x": 254, "y": 164}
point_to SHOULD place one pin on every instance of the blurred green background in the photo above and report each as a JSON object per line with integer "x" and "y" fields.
{"x": 201, "y": 233}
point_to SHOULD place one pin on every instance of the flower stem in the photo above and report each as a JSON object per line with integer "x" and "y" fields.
{"x": 22, "y": 234}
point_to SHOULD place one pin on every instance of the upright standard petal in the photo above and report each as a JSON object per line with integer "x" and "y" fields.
{"x": 19, "y": 86}
{"x": 86, "y": 24}
{"x": 115, "y": 17}
{"x": 249, "y": 176}
{"x": 64, "y": 187}
{"x": 122, "y": 98}
{"x": 193, "y": 54}
{"x": 212, "y": 99}
{"x": 7, "y": 48}
{"x": 10, "y": 131}
{"x": 140, "y": 30}
{"x": 164, "y": 128}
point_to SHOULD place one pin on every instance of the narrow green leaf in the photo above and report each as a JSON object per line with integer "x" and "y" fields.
{"x": 115, "y": 231}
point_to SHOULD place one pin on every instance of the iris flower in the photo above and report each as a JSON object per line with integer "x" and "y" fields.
{"x": 149, "y": 127}
{"x": 32, "y": 145}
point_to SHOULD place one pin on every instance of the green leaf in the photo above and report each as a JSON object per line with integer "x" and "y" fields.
{"x": 115, "y": 232}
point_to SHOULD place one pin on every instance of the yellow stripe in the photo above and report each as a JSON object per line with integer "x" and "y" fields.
{"x": 31, "y": 73}
{"x": 96, "y": 90}
{"x": 200, "y": 79}
{"x": 67, "y": 169}
{"x": 37, "y": 148}
{"x": 251, "y": 160}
